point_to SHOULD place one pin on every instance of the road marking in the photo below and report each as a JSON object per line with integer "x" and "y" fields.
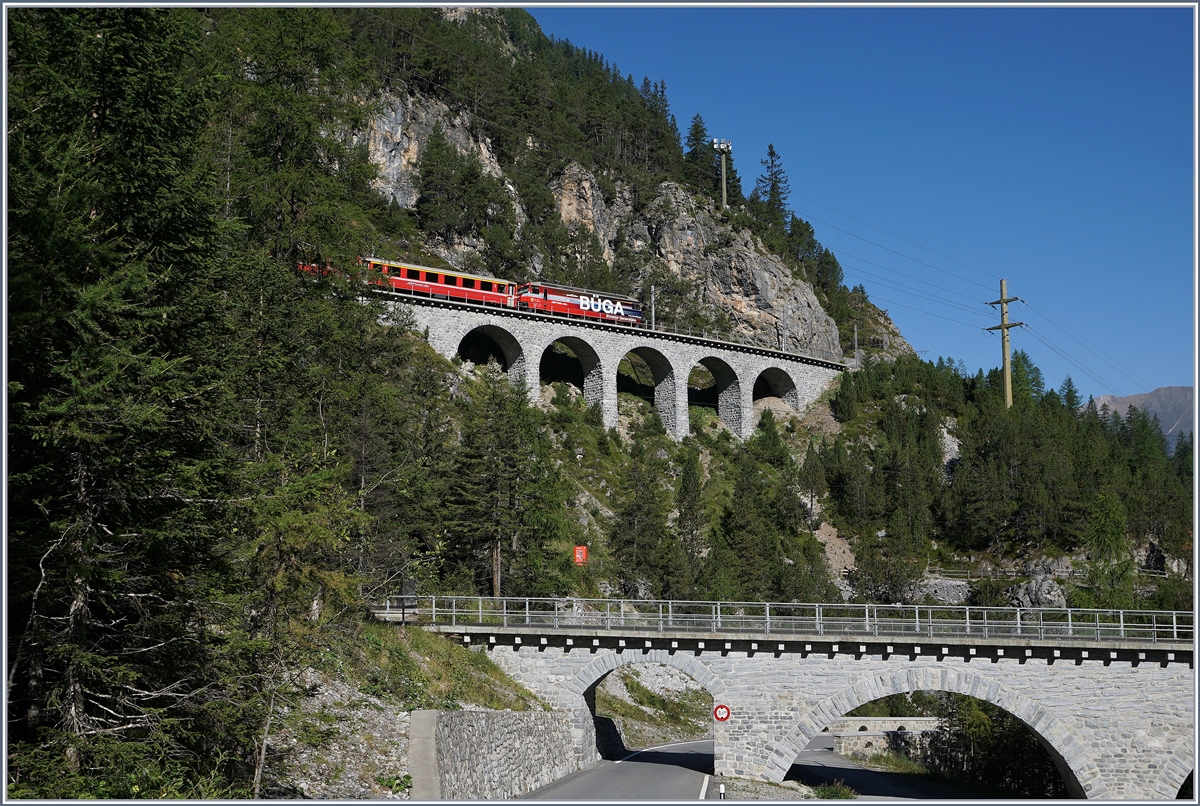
{"x": 704, "y": 789}
{"x": 660, "y": 747}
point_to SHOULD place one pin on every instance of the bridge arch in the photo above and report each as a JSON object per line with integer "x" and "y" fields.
{"x": 590, "y": 365}
{"x": 1080, "y": 773}
{"x": 729, "y": 392}
{"x": 485, "y": 341}
{"x": 586, "y": 679}
{"x": 775, "y": 382}
{"x": 1176, "y": 772}
{"x": 663, "y": 372}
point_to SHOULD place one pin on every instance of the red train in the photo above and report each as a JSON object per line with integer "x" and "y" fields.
{"x": 549, "y": 298}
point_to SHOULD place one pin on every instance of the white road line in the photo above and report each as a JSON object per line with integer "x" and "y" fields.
{"x": 660, "y": 747}
{"x": 704, "y": 789}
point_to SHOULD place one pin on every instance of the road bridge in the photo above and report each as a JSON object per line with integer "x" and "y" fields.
{"x": 1110, "y": 694}
{"x": 523, "y": 338}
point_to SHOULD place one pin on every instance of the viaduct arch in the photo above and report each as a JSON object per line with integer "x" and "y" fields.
{"x": 1069, "y": 756}
{"x": 742, "y": 373}
{"x": 1118, "y": 724}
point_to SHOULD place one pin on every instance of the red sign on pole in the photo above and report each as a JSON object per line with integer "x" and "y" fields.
{"x": 721, "y": 713}
{"x": 581, "y": 555}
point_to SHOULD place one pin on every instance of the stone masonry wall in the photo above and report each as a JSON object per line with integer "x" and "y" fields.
{"x": 486, "y": 755}
{"x": 525, "y": 339}
{"x": 1118, "y": 729}
{"x": 873, "y": 734}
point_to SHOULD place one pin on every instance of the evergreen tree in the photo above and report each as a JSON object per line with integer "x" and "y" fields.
{"x": 506, "y": 500}
{"x": 1069, "y": 394}
{"x": 690, "y": 522}
{"x": 1110, "y": 569}
{"x": 812, "y": 478}
{"x": 771, "y": 192}
{"x": 702, "y": 161}
{"x": 117, "y": 411}
{"x": 293, "y": 176}
{"x": 641, "y": 539}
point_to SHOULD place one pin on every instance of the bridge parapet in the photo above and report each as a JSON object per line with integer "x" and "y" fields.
{"x": 911, "y": 625}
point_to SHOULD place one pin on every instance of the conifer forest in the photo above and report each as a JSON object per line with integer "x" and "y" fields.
{"x": 216, "y": 462}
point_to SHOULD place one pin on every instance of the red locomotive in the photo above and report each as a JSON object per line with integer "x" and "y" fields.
{"x": 548, "y": 298}
{"x": 567, "y": 301}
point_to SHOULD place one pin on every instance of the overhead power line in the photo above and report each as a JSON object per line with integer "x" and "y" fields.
{"x": 894, "y": 235}
{"x": 901, "y": 254}
{"x": 1085, "y": 344}
{"x": 913, "y": 291}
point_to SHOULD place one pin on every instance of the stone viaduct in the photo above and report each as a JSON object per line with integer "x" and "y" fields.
{"x": 1118, "y": 719}
{"x": 524, "y": 338}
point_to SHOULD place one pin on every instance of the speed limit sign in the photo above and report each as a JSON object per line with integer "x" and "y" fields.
{"x": 721, "y": 713}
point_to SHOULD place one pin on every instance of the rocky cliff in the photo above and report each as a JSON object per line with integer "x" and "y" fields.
{"x": 732, "y": 276}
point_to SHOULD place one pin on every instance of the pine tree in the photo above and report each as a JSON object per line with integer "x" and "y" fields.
{"x": 1070, "y": 395}
{"x": 701, "y": 160}
{"x": 688, "y": 503}
{"x": 812, "y": 478}
{"x": 117, "y": 412}
{"x": 646, "y": 547}
{"x": 771, "y": 192}
{"x": 1110, "y": 568}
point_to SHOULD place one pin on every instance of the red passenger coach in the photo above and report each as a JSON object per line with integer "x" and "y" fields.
{"x": 559, "y": 300}
{"x": 410, "y": 279}
{"x": 567, "y": 301}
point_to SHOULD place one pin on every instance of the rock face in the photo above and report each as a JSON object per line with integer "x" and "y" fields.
{"x": 1037, "y": 592}
{"x": 342, "y": 744}
{"x": 732, "y": 273}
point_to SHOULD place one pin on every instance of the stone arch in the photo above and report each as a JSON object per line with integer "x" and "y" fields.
{"x": 663, "y": 371}
{"x": 476, "y": 340}
{"x": 1177, "y": 770}
{"x": 1080, "y": 773}
{"x": 729, "y": 392}
{"x": 582, "y": 686}
{"x": 590, "y": 675}
{"x": 775, "y": 382}
{"x": 590, "y": 363}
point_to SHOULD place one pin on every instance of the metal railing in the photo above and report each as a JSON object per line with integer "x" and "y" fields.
{"x": 847, "y": 620}
{"x": 938, "y": 572}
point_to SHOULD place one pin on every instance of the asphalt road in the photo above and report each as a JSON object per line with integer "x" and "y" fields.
{"x": 681, "y": 771}
{"x": 670, "y": 772}
{"x": 818, "y": 764}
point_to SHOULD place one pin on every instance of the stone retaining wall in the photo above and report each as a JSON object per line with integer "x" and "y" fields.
{"x": 874, "y": 735}
{"x": 485, "y": 755}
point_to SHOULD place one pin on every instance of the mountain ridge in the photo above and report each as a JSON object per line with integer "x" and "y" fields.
{"x": 1173, "y": 405}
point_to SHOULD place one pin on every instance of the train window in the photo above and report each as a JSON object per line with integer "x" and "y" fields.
{"x": 468, "y": 283}
{"x": 413, "y": 274}
{"x": 451, "y": 279}
{"x": 436, "y": 278}
{"x": 484, "y": 285}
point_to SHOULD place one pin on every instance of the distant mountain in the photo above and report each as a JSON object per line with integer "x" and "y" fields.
{"x": 1172, "y": 404}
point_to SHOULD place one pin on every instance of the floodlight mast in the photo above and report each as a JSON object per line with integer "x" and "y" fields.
{"x": 723, "y": 147}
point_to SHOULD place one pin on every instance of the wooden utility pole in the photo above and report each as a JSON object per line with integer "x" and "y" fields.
{"x": 1003, "y": 328}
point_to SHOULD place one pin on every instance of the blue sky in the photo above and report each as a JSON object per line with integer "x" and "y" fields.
{"x": 1049, "y": 146}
